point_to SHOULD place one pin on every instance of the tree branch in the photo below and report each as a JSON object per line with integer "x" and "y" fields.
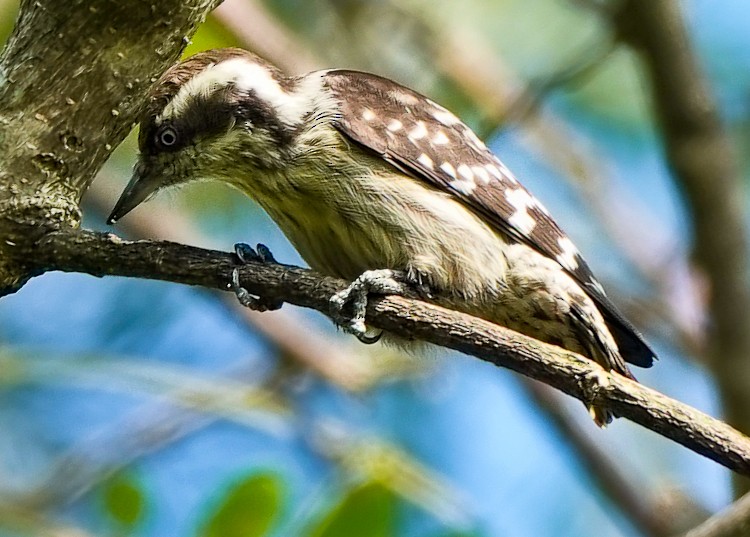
{"x": 106, "y": 254}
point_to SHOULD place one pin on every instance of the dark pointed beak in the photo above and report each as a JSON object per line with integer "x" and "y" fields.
{"x": 140, "y": 187}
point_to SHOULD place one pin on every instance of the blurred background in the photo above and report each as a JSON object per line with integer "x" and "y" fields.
{"x": 131, "y": 407}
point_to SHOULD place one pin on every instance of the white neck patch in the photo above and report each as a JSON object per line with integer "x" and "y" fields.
{"x": 247, "y": 75}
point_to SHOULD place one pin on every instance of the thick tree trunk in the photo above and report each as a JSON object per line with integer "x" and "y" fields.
{"x": 72, "y": 80}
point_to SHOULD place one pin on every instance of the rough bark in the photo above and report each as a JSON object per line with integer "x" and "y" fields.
{"x": 72, "y": 79}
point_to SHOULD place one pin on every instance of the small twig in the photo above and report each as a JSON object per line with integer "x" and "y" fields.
{"x": 734, "y": 521}
{"x": 536, "y": 91}
{"x": 102, "y": 254}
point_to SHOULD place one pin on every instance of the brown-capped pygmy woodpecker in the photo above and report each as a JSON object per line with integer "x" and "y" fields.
{"x": 373, "y": 182}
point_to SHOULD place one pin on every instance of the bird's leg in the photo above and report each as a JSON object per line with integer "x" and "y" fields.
{"x": 261, "y": 254}
{"x": 382, "y": 281}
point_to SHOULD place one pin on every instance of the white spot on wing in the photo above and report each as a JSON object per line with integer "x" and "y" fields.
{"x": 368, "y": 115}
{"x": 495, "y": 171}
{"x": 448, "y": 168}
{"x": 418, "y": 132}
{"x": 465, "y": 187}
{"x": 500, "y": 172}
{"x": 523, "y": 222}
{"x": 519, "y": 198}
{"x": 440, "y": 138}
{"x": 596, "y": 285}
{"x": 474, "y": 140}
{"x": 426, "y": 161}
{"x": 445, "y": 117}
{"x": 521, "y": 201}
{"x": 481, "y": 173}
{"x": 465, "y": 172}
{"x": 395, "y": 125}
{"x": 503, "y": 169}
{"x": 568, "y": 253}
{"x": 403, "y": 97}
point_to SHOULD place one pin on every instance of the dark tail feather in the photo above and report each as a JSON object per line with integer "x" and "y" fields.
{"x": 630, "y": 342}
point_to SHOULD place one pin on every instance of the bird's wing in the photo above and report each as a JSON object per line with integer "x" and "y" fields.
{"x": 428, "y": 142}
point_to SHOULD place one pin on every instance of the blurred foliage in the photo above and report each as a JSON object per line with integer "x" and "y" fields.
{"x": 252, "y": 506}
{"x": 366, "y": 511}
{"x": 462, "y": 435}
{"x": 613, "y": 92}
{"x": 8, "y": 14}
{"x": 124, "y": 500}
{"x": 248, "y": 509}
{"x": 211, "y": 34}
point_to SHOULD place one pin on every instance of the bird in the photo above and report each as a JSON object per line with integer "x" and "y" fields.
{"x": 376, "y": 183}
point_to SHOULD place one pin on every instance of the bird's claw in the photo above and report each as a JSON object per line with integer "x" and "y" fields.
{"x": 418, "y": 281}
{"x": 384, "y": 282}
{"x": 261, "y": 253}
{"x": 246, "y": 254}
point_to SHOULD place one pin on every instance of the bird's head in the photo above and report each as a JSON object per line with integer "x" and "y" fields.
{"x": 222, "y": 114}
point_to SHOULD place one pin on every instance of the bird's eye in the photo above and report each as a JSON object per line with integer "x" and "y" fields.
{"x": 167, "y": 137}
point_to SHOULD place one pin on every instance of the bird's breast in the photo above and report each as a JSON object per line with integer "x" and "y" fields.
{"x": 343, "y": 223}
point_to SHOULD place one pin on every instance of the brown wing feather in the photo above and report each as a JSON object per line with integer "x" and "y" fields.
{"x": 426, "y": 141}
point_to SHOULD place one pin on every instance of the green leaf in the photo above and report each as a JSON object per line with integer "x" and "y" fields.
{"x": 248, "y": 509}
{"x": 124, "y": 500}
{"x": 367, "y": 511}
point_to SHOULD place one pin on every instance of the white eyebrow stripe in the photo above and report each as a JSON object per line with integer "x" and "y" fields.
{"x": 249, "y": 76}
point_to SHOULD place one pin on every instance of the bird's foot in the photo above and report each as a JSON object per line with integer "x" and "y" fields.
{"x": 592, "y": 385}
{"x": 246, "y": 254}
{"x": 384, "y": 282}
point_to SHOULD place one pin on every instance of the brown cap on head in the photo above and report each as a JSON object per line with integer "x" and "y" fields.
{"x": 169, "y": 84}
